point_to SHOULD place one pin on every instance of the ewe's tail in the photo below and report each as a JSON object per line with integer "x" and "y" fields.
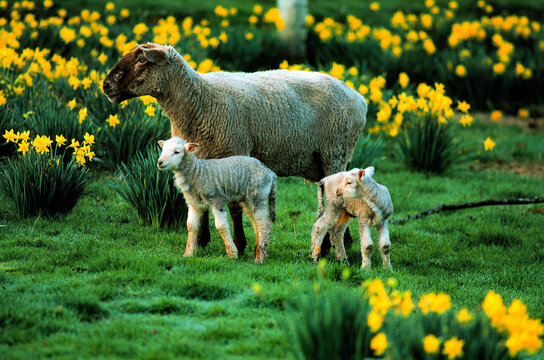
{"x": 320, "y": 202}
{"x": 272, "y": 201}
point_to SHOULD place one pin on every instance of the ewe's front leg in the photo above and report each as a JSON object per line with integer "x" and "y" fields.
{"x": 222, "y": 226}
{"x": 193, "y": 224}
{"x": 385, "y": 245}
{"x": 367, "y": 246}
{"x": 237, "y": 222}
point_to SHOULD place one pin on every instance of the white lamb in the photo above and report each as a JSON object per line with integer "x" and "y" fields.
{"x": 350, "y": 194}
{"x": 213, "y": 183}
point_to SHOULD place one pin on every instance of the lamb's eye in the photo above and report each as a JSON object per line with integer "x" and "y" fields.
{"x": 349, "y": 182}
{"x": 176, "y": 152}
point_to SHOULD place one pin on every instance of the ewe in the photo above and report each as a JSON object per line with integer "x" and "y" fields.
{"x": 214, "y": 183}
{"x": 350, "y": 194}
{"x": 297, "y": 123}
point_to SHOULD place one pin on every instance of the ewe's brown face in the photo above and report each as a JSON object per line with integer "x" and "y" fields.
{"x": 134, "y": 74}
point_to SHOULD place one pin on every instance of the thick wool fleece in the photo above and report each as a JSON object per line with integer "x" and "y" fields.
{"x": 297, "y": 123}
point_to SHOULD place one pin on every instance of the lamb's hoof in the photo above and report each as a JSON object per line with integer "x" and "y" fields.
{"x": 313, "y": 258}
{"x": 258, "y": 260}
{"x": 188, "y": 254}
{"x": 344, "y": 261}
{"x": 232, "y": 255}
{"x": 365, "y": 267}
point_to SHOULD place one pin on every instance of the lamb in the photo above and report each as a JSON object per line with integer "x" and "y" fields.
{"x": 212, "y": 184}
{"x": 350, "y": 194}
{"x": 297, "y": 123}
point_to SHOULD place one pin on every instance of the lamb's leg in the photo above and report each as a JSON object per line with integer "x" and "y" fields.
{"x": 385, "y": 245}
{"x": 203, "y": 235}
{"x": 320, "y": 229}
{"x": 237, "y": 222}
{"x": 249, "y": 209}
{"x": 337, "y": 235}
{"x": 367, "y": 246}
{"x": 222, "y": 226}
{"x": 193, "y": 225}
{"x": 329, "y": 169}
{"x": 263, "y": 228}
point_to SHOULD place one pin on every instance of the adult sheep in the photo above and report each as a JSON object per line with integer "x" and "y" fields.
{"x": 297, "y": 123}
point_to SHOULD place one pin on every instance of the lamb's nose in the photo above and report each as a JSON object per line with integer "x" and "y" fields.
{"x": 338, "y": 192}
{"x": 159, "y": 163}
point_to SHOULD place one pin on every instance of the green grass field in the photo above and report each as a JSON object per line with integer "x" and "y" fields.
{"x": 95, "y": 284}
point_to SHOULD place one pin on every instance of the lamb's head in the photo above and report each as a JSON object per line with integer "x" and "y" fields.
{"x": 137, "y": 73}
{"x": 173, "y": 151}
{"x": 353, "y": 181}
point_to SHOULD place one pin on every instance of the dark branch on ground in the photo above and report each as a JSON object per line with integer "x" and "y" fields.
{"x": 452, "y": 207}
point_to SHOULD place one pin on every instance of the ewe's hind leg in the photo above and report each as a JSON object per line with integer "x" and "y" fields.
{"x": 367, "y": 246}
{"x": 237, "y": 222}
{"x": 320, "y": 229}
{"x": 385, "y": 245}
{"x": 222, "y": 226}
{"x": 337, "y": 235}
{"x": 263, "y": 224}
{"x": 193, "y": 224}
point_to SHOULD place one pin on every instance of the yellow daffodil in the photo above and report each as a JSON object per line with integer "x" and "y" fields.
{"x": 72, "y": 104}
{"x": 453, "y": 348}
{"x": 431, "y": 344}
{"x": 489, "y": 144}
{"x": 89, "y": 139}
{"x": 10, "y": 136}
{"x": 463, "y": 315}
{"x": 150, "y": 110}
{"x": 463, "y": 106}
{"x": 23, "y": 147}
{"x": 113, "y": 120}
{"x": 379, "y": 344}
{"x": 82, "y": 114}
{"x": 496, "y": 115}
{"x": 374, "y": 321}
{"x": 61, "y": 140}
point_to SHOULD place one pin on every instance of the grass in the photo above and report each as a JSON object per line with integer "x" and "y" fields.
{"x": 96, "y": 284}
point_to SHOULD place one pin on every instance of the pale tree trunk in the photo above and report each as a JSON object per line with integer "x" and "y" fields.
{"x": 293, "y": 13}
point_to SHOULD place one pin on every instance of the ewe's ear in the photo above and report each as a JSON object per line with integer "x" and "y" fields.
{"x": 157, "y": 55}
{"x": 161, "y": 143}
{"x": 190, "y": 147}
{"x": 360, "y": 174}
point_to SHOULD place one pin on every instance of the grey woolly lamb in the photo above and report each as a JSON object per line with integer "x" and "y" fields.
{"x": 350, "y": 194}
{"x": 297, "y": 123}
{"x": 212, "y": 184}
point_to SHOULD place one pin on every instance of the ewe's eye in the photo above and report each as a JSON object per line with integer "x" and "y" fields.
{"x": 141, "y": 60}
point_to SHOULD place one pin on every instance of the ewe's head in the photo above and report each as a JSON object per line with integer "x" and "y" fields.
{"x": 352, "y": 181}
{"x": 137, "y": 73}
{"x": 173, "y": 151}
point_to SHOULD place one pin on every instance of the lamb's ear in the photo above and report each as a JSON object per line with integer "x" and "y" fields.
{"x": 370, "y": 171}
{"x": 157, "y": 55}
{"x": 161, "y": 143}
{"x": 190, "y": 147}
{"x": 360, "y": 174}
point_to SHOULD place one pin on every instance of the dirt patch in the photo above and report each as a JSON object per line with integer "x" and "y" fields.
{"x": 533, "y": 123}
{"x": 534, "y": 169}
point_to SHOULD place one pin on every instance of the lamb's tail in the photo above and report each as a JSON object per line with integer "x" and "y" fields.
{"x": 272, "y": 201}
{"x": 320, "y": 202}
